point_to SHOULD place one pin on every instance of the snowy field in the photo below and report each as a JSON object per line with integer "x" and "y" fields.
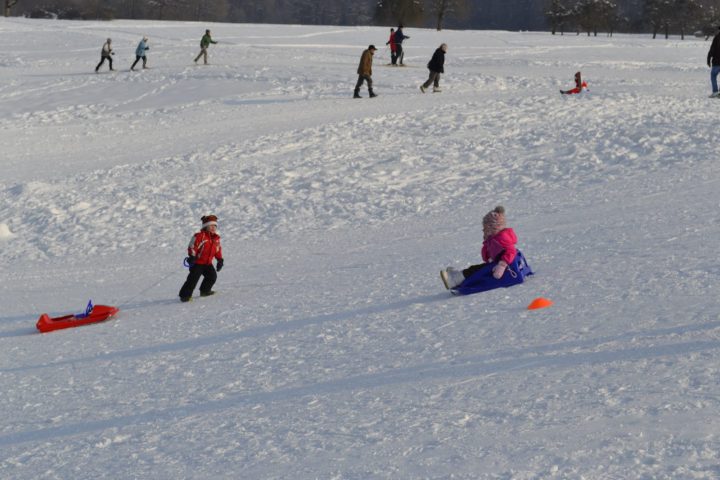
{"x": 332, "y": 350}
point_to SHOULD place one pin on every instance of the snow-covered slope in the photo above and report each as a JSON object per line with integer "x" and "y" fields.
{"x": 332, "y": 349}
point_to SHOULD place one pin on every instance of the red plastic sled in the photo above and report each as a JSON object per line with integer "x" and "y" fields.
{"x": 98, "y": 313}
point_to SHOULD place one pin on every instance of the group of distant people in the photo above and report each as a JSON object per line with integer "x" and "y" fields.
{"x": 436, "y": 64}
{"x": 140, "y": 52}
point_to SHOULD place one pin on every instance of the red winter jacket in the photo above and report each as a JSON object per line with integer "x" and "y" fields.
{"x": 205, "y": 246}
{"x": 500, "y": 246}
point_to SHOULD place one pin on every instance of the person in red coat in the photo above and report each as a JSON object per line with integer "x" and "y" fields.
{"x": 393, "y": 47}
{"x": 498, "y": 250}
{"x": 203, "y": 248}
{"x": 580, "y": 86}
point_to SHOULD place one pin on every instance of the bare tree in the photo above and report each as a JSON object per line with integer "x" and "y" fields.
{"x": 442, "y": 9}
{"x": 659, "y": 14}
{"x": 687, "y": 14}
{"x": 8, "y": 5}
{"x": 557, "y": 15}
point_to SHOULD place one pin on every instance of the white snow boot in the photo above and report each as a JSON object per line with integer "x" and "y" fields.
{"x": 451, "y": 277}
{"x": 437, "y": 89}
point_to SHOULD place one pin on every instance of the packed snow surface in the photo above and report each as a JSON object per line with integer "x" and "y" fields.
{"x": 332, "y": 350}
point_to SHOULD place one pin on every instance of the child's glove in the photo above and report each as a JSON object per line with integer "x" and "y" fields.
{"x": 191, "y": 260}
{"x": 499, "y": 269}
{"x": 220, "y": 264}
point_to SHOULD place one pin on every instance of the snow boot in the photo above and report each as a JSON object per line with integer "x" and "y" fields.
{"x": 372, "y": 94}
{"x": 437, "y": 89}
{"x": 207, "y": 294}
{"x": 185, "y": 299}
{"x": 357, "y": 94}
{"x": 451, "y": 277}
{"x": 422, "y": 88}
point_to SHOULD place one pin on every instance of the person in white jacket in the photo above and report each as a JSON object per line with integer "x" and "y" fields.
{"x": 106, "y": 54}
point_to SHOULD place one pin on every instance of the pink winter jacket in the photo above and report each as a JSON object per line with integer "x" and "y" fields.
{"x": 500, "y": 246}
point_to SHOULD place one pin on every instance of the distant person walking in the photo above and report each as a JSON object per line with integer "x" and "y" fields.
{"x": 205, "y": 42}
{"x": 436, "y": 67}
{"x": 365, "y": 72}
{"x": 713, "y": 61}
{"x": 106, "y": 54}
{"x": 393, "y": 47}
{"x": 399, "y": 37}
{"x": 140, "y": 53}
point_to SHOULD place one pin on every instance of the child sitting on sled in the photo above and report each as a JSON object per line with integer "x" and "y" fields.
{"x": 498, "y": 248}
{"x": 203, "y": 248}
{"x": 580, "y": 86}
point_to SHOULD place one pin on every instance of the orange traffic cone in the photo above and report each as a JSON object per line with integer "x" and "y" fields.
{"x": 539, "y": 302}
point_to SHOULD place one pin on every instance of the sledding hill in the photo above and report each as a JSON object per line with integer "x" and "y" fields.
{"x": 332, "y": 349}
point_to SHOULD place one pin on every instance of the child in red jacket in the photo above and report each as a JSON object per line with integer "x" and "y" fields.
{"x": 498, "y": 248}
{"x": 203, "y": 247}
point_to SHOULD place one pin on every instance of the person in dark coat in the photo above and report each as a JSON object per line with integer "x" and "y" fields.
{"x": 713, "y": 61}
{"x": 399, "y": 37}
{"x": 436, "y": 67}
{"x": 365, "y": 71}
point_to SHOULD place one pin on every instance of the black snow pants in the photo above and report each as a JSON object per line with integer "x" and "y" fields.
{"x": 137, "y": 59}
{"x": 102, "y": 60}
{"x": 197, "y": 271}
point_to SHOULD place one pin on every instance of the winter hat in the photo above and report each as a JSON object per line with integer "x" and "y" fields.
{"x": 494, "y": 221}
{"x": 372, "y": 47}
{"x": 209, "y": 220}
{"x": 443, "y": 47}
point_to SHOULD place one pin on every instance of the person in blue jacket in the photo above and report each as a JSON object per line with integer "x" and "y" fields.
{"x": 399, "y": 37}
{"x": 140, "y": 53}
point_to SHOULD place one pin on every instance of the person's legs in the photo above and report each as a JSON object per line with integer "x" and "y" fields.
{"x": 210, "y": 277}
{"x": 102, "y": 60}
{"x": 110, "y": 62}
{"x": 472, "y": 269}
{"x": 368, "y": 79}
{"x": 359, "y": 83}
{"x": 713, "y": 78}
{"x": 393, "y": 57}
{"x": 203, "y": 53}
{"x": 137, "y": 59}
{"x": 436, "y": 80}
{"x": 144, "y": 61}
{"x": 399, "y": 53}
{"x": 431, "y": 79}
{"x": 193, "y": 277}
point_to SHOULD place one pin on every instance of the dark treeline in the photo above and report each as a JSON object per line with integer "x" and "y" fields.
{"x": 559, "y": 16}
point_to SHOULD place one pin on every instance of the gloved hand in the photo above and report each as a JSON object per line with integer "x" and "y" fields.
{"x": 191, "y": 260}
{"x": 499, "y": 269}
{"x": 220, "y": 264}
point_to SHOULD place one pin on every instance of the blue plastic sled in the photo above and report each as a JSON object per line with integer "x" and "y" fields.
{"x": 482, "y": 280}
